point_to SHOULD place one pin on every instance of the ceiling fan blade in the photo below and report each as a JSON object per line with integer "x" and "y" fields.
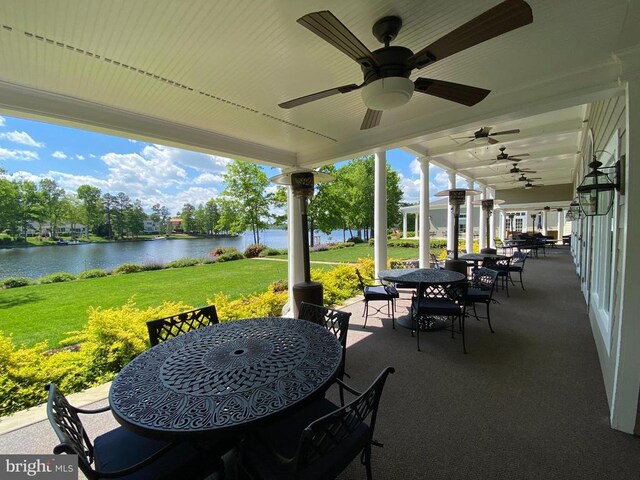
{"x": 318, "y": 95}
{"x": 455, "y": 92}
{"x": 492, "y": 141}
{"x": 502, "y": 18}
{"x": 331, "y": 30}
{"x": 371, "y": 119}
{"x": 507, "y": 132}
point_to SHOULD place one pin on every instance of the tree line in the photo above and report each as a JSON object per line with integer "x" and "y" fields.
{"x": 246, "y": 204}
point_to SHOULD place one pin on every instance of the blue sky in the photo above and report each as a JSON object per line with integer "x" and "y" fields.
{"x": 150, "y": 172}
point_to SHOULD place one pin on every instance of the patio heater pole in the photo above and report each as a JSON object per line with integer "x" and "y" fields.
{"x": 487, "y": 206}
{"x": 456, "y": 198}
{"x": 307, "y": 291}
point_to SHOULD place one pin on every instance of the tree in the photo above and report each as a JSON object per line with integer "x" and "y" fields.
{"x": 52, "y": 202}
{"x": 327, "y": 207}
{"x": 246, "y": 185}
{"x": 134, "y": 218}
{"x": 92, "y": 207}
{"x": 160, "y": 215}
{"x": 211, "y": 216}
{"x": 28, "y": 207}
{"x": 73, "y": 211}
{"x": 8, "y": 202}
{"x": 121, "y": 204}
{"x": 108, "y": 205}
{"x": 188, "y": 218}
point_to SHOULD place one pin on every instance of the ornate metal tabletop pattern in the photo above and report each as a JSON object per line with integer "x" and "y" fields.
{"x": 420, "y": 275}
{"x": 224, "y": 376}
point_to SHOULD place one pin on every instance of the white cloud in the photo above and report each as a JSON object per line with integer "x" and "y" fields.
{"x": 20, "y": 155}
{"x": 59, "y": 154}
{"x": 410, "y": 189}
{"x": 199, "y": 161}
{"x": 2, "y": 121}
{"x": 80, "y": 157}
{"x": 414, "y": 166}
{"x": 22, "y": 175}
{"x": 207, "y": 178}
{"x": 23, "y": 138}
{"x": 441, "y": 180}
{"x": 132, "y": 141}
{"x": 91, "y": 155}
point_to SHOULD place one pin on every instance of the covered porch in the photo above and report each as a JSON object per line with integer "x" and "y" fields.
{"x": 525, "y": 402}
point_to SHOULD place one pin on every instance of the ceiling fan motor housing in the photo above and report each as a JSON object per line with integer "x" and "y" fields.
{"x": 387, "y": 85}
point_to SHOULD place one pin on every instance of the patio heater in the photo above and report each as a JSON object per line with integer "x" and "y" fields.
{"x": 457, "y": 197}
{"x": 487, "y": 208}
{"x": 302, "y": 184}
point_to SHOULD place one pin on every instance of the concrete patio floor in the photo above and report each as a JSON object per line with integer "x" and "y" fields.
{"x": 527, "y": 402}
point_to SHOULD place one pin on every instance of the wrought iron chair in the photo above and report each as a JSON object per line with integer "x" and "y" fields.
{"x": 516, "y": 264}
{"x": 318, "y": 441}
{"x": 121, "y": 453}
{"x": 435, "y": 263}
{"x": 336, "y": 321}
{"x": 438, "y": 300}
{"x": 401, "y": 264}
{"x": 378, "y": 293}
{"x": 481, "y": 290}
{"x": 500, "y": 265}
{"x": 165, "y": 328}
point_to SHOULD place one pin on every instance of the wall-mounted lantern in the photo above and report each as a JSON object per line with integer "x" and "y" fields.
{"x": 597, "y": 190}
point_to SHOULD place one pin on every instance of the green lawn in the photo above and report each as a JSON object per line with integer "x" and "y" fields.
{"x": 48, "y": 312}
{"x": 42, "y": 312}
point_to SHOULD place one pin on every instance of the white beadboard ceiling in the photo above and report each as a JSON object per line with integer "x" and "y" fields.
{"x": 208, "y": 75}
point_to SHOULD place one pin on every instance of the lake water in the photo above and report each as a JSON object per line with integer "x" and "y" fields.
{"x": 38, "y": 261}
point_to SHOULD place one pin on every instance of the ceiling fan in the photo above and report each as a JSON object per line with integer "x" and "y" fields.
{"x": 522, "y": 171}
{"x": 529, "y": 185}
{"x": 511, "y": 158}
{"x": 387, "y": 70}
{"x": 524, "y": 178}
{"x": 483, "y": 135}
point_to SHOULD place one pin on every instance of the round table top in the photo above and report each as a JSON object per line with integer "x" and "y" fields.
{"x": 421, "y": 275}
{"x": 224, "y": 377}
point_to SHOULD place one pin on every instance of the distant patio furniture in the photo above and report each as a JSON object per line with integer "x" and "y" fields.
{"x": 435, "y": 263}
{"x": 378, "y": 293}
{"x": 481, "y": 290}
{"x": 122, "y": 453}
{"x": 500, "y": 265}
{"x": 566, "y": 240}
{"x": 318, "y": 441}
{"x": 163, "y": 329}
{"x": 439, "y": 300}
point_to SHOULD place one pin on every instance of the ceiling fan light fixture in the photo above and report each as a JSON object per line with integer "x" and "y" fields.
{"x": 387, "y": 93}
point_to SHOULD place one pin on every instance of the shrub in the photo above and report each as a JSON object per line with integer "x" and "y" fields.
{"x": 115, "y": 336}
{"x": 338, "y": 283}
{"x": 152, "y": 265}
{"x": 182, "y": 262}
{"x": 338, "y": 245}
{"x": 266, "y": 304}
{"x": 95, "y": 273}
{"x": 355, "y": 240}
{"x": 403, "y": 243}
{"x": 15, "y": 282}
{"x": 216, "y": 252}
{"x": 321, "y": 247}
{"x": 57, "y": 278}
{"x": 280, "y": 286}
{"x": 230, "y": 256}
{"x": 126, "y": 268}
{"x": 254, "y": 250}
{"x": 269, "y": 252}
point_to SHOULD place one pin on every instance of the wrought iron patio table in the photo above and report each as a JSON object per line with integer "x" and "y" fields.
{"x": 476, "y": 258}
{"x": 415, "y": 276}
{"x": 224, "y": 378}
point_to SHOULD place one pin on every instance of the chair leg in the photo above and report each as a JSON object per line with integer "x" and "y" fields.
{"x": 475, "y": 313}
{"x": 488, "y": 317}
{"x": 366, "y": 313}
{"x": 464, "y": 347}
{"x": 418, "y": 330}
{"x": 521, "y": 284}
{"x": 367, "y": 461}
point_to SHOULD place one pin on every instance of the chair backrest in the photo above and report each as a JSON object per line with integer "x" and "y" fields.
{"x": 360, "y": 280}
{"x": 499, "y": 264}
{"x": 445, "y": 291}
{"x": 336, "y": 321}
{"x": 518, "y": 258}
{"x": 435, "y": 263}
{"x": 69, "y": 430}
{"x": 484, "y": 278}
{"x": 326, "y": 435}
{"x": 165, "y": 328}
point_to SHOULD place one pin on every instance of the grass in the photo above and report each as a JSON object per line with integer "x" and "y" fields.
{"x": 46, "y": 312}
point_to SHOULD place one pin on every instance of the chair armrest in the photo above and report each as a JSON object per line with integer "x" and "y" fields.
{"x": 349, "y": 389}
{"x": 89, "y": 412}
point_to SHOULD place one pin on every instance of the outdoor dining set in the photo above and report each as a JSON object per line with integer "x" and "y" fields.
{"x": 250, "y": 390}
{"x": 440, "y": 298}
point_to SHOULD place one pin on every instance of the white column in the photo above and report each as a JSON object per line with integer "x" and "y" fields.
{"x": 469, "y": 235}
{"x": 450, "y": 220}
{"x": 404, "y": 224}
{"x": 424, "y": 213}
{"x": 492, "y": 222}
{"x": 626, "y": 335}
{"x": 503, "y": 225}
{"x": 544, "y": 222}
{"x": 416, "y": 225}
{"x": 296, "y": 265}
{"x": 483, "y": 220}
{"x": 380, "y": 212}
{"x": 560, "y": 225}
